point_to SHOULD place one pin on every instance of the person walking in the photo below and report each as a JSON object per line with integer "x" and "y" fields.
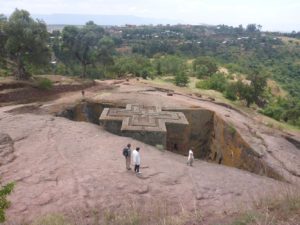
{"x": 190, "y": 157}
{"x": 127, "y": 155}
{"x": 136, "y": 160}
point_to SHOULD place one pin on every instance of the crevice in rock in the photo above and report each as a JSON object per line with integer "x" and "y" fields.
{"x": 6, "y": 149}
{"x": 292, "y": 140}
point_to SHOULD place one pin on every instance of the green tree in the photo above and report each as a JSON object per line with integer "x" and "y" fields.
{"x": 251, "y": 92}
{"x": 231, "y": 92}
{"x": 136, "y": 65}
{"x": 55, "y": 43}
{"x": 252, "y": 28}
{"x": 106, "y": 48}
{"x": 216, "y": 82}
{"x": 258, "y": 82}
{"x": 181, "y": 79}
{"x": 206, "y": 65}
{"x": 171, "y": 65}
{"x": 244, "y": 91}
{"x": 3, "y": 36}
{"x": 201, "y": 71}
{"x": 26, "y": 42}
{"x": 82, "y": 44}
{"x": 158, "y": 68}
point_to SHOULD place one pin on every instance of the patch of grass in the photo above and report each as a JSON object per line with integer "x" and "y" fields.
{"x": 283, "y": 210}
{"x": 270, "y": 122}
{"x": 4, "y": 203}
{"x": 128, "y": 218}
{"x": 160, "y": 147}
{"x": 274, "y": 211}
{"x": 231, "y": 129}
{"x": 216, "y": 82}
{"x": 246, "y": 219}
{"x": 53, "y": 219}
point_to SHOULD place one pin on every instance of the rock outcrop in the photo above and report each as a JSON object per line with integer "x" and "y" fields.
{"x": 6, "y": 149}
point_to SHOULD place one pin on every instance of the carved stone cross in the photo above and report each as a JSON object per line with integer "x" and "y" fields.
{"x": 142, "y": 118}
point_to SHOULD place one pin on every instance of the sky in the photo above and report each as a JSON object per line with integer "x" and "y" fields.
{"x": 274, "y": 15}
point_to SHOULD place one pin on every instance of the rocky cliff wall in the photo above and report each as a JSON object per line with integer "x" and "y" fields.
{"x": 229, "y": 148}
{"x": 197, "y": 134}
{"x": 212, "y": 138}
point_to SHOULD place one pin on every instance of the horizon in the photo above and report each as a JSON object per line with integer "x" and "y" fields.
{"x": 152, "y": 21}
{"x": 276, "y": 15}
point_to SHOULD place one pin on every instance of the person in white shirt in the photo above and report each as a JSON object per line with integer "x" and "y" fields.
{"x": 136, "y": 158}
{"x": 190, "y": 157}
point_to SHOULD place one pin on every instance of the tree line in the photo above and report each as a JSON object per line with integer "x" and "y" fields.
{"x": 26, "y": 44}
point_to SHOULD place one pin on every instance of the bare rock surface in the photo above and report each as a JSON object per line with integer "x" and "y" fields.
{"x": 62, "y": 165}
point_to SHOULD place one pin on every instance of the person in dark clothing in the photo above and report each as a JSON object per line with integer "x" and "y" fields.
{"x": 127, "y": 155}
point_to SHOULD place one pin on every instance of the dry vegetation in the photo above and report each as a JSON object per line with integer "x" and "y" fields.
{"x": 277, "y": 211}
{"x": 283, "y": 210}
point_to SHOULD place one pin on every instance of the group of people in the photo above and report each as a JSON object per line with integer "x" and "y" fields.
{"x": 136, "y": 158}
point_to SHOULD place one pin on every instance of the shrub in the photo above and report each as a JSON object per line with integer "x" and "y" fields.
{"x": 275, "y": 112}
{"x": 181, "y": 79}
{"x": 243, "y": 92}
{"x": 45, "y": 84}
{"x": 4, "y": 203}
{"x": 136, "y": 65}
{"x": 231, "y": 130}
{"x": 216, "y": 82}
{"x": 202, "y": 85}
{"x": 231, "y": 92}
{"x": 234, "y": 68}
{"x": 145, "y": 73}
{"x": 208, "y": 63}
{"x": 169, "y": 64}
{"x": 202, "y": 71}
{"x": 287, "y": 110}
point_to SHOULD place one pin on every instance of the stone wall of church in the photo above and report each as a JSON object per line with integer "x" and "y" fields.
{"x": 197, "y": 134}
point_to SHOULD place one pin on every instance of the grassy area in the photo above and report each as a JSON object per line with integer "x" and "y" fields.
{"x": 55, "y": 79}
{"x": 280, "y": 211}
{"x": 52, "y": 219}
{"x": 155, "y": 213}
{"x": 289, "y": 40}
{"x": 45, "y": 82}
{"x": 276, "y": 90}
{"x": 272, "y": 123}
{"x": 284, "y": 210}
{"x": 168, "y": 82}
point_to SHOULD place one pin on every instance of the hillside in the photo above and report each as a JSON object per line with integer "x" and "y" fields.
{"x": 76, "y": 168}
{"x": 72, "y": 97}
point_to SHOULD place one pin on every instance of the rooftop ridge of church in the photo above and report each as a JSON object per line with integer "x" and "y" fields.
{"x": 136, "y": 117}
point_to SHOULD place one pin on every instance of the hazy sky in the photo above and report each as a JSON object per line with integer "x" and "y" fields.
{"x": 283, "y": 15}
